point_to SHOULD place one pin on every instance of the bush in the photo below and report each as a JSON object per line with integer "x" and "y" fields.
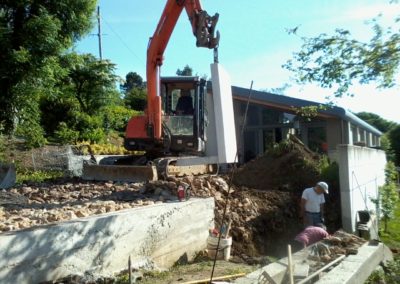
{"x": 90, "y": 128}
{"x": 390, "y": 273}
{"x": 95, "y": 135}
{"x": 116, "y": 117}
{"x": 32, "y": 133}
{"x": 2, "y": 149}
{"x": 107, "y": 149}
{"x": 65, "y": 134}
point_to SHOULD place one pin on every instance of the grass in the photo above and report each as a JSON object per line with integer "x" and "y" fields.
{"x": 186, "y": 272}
{"x": 24, "y": 175}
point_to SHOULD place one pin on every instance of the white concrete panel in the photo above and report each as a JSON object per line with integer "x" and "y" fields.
{"x": 362, "y": 171}
{"x": 211, "y": 144}
{"x": 158, "y": 234}
{"x": 223, "y": 112}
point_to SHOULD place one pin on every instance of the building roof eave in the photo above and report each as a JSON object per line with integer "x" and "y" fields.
{"x": 287, "y": 103}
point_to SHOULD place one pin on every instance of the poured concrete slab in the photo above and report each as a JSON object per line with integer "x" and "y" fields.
{"x": 153, "y": 235}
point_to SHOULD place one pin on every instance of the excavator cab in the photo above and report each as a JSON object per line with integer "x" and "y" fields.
{"x": 182, "y": 100}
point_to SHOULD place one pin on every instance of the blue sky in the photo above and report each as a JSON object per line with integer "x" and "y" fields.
{"x": 254, "y": 42}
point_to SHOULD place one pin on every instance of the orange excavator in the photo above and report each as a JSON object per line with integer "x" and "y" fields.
{"x": 185, "y": 129}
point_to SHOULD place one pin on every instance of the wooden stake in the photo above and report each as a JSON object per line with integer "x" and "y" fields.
{"x": 130, "y": 269}
{"x": 305, "y": 280}
{"x": 290, "y": 264}
{"x": 216, "y": 278}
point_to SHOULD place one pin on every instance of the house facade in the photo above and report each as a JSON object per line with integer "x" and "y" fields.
{"x": 271, "y": 118}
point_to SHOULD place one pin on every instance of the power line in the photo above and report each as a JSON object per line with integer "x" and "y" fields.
{"x": 120, "y": 38}
{"x": 99, "y": 32}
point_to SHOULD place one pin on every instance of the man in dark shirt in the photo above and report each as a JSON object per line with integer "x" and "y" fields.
{"x": 185, "y": 103}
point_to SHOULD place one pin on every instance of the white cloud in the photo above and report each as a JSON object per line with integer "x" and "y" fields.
{"x": 367, "y": 12}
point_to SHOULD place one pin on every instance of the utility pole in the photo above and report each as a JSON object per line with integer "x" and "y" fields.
{"x": 99, "y": 32}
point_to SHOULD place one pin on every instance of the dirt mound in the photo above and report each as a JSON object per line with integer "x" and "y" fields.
{"x": 263, "y": 221}
{"x": 288, "y": 166}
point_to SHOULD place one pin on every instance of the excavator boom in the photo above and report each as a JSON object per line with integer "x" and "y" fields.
{"x": 203, "y": 27}
{"x": 149, "y": 132}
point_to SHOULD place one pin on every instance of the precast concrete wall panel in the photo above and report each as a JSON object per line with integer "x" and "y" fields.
{"x": 153, "y": 235}
{"x": 362, "y": 171}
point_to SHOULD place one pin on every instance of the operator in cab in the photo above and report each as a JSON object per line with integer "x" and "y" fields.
{"x": 184, "y": 105}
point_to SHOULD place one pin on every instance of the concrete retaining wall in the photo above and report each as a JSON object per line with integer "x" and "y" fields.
{"x": 362, "y": 171}
{"x": 356, "y": 269}
{"x": 101, "y": 244}
{"x": 353, "y": 269}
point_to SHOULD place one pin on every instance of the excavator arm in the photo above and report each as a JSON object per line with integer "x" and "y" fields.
{"x": 162, "y": 135}
{"x": 203, "y": 27}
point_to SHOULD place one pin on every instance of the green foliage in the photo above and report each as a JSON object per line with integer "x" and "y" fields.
{"x": 281, "y": 148}
{"x": 50, "y": 109}
{"x": 90, "y": 128}
{"x": 132, "y": 80}
{"x": 94, "y": 135}
{"x": 392, "y": 236}
{"x": 29, "y": 127}
{"x": 375, "y": 120}
{"x": 136, "y": 99}
{"x": 2, "y": 149}
{"x": 388, "y": 195}
{"x": 116, "y": 117}
{"x": 336, "y": 61}
{"x": 90, "y": 81}
{"x": 24, "y": 175}
{"x": 186, "y": 71}
{"x": 65, "y": 134}
{"x": 394, "y": 136}
{"x": 329, "y": 172}
{"x": 390, "y": 141}
{"x": 386, "y": 145}
{"x": 306, "y": 113}
{"x": 33, "y": 33}
{"x": 390, "y": 274}
{"x": 135, "y": 93}
{"x": 32, "y": 133}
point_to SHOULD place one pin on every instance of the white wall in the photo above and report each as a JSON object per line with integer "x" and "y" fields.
{"x": 362, "y": 171}
{"x": 102, "y": 244}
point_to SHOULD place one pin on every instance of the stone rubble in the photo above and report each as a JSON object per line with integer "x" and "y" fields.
{"x": 253, "y": 212}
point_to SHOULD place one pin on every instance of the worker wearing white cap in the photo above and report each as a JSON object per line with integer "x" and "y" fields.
{"x": 312, "y": 204}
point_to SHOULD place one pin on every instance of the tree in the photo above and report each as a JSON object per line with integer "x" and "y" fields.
{"x": 90, "y": 81}
{"x": 132, "y": 80}
{"x": 388, "y": 195}
{"x": 186, "y": 71}
{"x": 135, "y": 93}
{"x": 337, "y": 61}
{"x": 377, "y": 121}
{"x": 391, "y": 135}
{"x": 32, "y": 34}
{"x": 136, "y": 99}
{"x": 394, "y": 136}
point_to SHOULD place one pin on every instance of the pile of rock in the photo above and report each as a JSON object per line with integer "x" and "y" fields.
{"x": 37, "y": 204}
{"x": 257, "y": 216}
